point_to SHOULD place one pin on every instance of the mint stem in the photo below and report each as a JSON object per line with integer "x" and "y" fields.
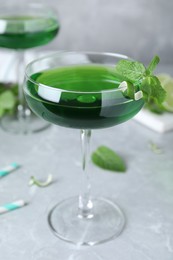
{"x": 152, "y": 65}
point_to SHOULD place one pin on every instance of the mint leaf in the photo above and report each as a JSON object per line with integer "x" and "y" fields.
{"x": 152, "y": 65}
{"x": 7, "y": 100}
{"x": 107, "y": 159}
{"x": 132, "y": 71}
{"x": 152, "y": 89}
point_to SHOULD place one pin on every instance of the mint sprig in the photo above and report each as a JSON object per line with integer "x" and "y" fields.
{"x": 134, "y": 72}
{"x": 107, "y": 159}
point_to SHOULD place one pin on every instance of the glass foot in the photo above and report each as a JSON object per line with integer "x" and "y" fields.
{"x": 107, "y": 222}
{"x": 32, "y": 124}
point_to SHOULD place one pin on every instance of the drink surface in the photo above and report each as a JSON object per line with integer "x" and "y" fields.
{"x": 23, "y": 32}
{"x": 83, "y": 97}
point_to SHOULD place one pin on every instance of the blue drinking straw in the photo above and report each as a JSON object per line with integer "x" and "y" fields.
{"x": 8, "y": 169}
{"x": 12, "y": 206}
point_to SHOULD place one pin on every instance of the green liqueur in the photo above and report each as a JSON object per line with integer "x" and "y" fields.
{"x": 23, "y": 32}
{"x": 83, "y": 97}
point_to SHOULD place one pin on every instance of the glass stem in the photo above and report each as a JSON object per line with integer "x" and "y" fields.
{"x": 20, "y": 75}
{"x": 23, "y": 112}
{"x": 85, "y": 208}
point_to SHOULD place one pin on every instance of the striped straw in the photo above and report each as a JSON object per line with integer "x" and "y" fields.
{"x": 8, "y": 169}
{"x": 12, "y": 206}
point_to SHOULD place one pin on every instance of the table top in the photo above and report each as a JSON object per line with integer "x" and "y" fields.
{"x": 144, "y": 192}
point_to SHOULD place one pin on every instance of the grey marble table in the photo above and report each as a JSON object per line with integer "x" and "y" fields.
{"x": 145, "y": 193}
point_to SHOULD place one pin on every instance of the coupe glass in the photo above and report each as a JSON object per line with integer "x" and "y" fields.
{"x": 24, "y": 26}
{"x": 81, "y": 90}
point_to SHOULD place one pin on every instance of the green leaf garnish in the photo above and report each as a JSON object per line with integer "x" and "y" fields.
{"x": 7, "y": 100}
{"x": 34, "y": 181}
{"x": 107, "y": 159}
{"x": 134, "y": 72}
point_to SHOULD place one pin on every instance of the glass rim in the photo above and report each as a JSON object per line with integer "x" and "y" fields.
{"x": 116, "y": 55}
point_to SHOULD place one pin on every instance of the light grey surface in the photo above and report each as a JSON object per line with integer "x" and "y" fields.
{"x": 145, "y": 192}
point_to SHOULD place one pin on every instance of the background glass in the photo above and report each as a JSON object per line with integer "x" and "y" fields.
{"x": 25, "y": 26}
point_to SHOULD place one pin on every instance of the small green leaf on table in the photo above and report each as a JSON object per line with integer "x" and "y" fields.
{"x": 107, "y": 159}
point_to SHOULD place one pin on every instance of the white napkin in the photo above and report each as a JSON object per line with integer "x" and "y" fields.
{"x": 159, "y": 123}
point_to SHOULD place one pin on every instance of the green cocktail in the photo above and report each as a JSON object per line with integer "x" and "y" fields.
{"x": 24, "y": 32}
{"x": 81, "y": 90}
{"x": 84, "y": 105}
{"x": 24, "y": 26}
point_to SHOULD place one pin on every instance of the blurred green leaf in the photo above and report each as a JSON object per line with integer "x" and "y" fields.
{"x": 1, "y": 111}
{"x": 7, "y": 100}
